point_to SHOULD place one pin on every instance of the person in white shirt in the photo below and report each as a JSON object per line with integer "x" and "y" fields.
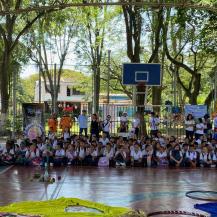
{"x": 104, "y": 140}
{"x": 106, "y": 124}
{"x": 154, "y": 122}
{"x": 205, "y": 158}
{"x": 66, "y": 134}
{"x": 189, "y": 127}
{"x": 71, "y": 155}
{"x": 59, "y": 156}
{"x": 136, "y": 156}
{"x": 161, "y": 156}
{"x": 190, "y": 157}
{"x": 83, "y": 122}
{"x": 199, "y": 129}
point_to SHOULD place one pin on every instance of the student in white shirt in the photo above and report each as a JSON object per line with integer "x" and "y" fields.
{"x": 59, "y": 156}
{"x": 136, "y": 156}
{"x": 205, "y": 158}
{"x": 104, "y": 139}
{"x": 154, "y": 122}
{"x": 71, "y": 155}
{"x": 189, "y": 127}
{"x": 199, "y": 129}
{"x": 66, "y": 134}
{"x": 190, "y": 157}
{"x": 83, "y": 121}
{"x": 161, "y": 156}
{"x": 106, "y": 124}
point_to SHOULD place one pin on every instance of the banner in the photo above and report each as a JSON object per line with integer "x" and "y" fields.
{"x": 33, "y": 120}
{"x": 198, "y": 111}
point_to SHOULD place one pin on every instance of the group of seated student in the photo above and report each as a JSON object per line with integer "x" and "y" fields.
{"x": 149, "y": 151}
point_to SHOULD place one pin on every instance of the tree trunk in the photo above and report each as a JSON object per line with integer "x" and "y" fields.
{"x": 4, "y": 86}
{"x": 156, "y": 99}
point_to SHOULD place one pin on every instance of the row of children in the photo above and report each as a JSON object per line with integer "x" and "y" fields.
{"x": 155, "y": 151}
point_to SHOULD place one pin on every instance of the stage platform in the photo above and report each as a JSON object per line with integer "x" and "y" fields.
{"x": 140, "y": 188}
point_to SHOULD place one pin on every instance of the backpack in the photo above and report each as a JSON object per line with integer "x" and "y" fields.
{"x": 103, "y": 162}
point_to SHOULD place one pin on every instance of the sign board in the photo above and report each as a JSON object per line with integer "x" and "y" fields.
{"x": 198, "y": 111}
{"x": 33, "y": 120}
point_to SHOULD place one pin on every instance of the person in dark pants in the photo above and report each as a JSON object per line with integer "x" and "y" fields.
{"x": 82, "y": 121}
{"x": 94, "y": 127}
{"x": 176, "y": 158}
{"x": 189, "y": 127}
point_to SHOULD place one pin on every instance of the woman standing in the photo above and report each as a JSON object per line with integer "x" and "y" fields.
{"x": 199, "y": 129}
{"x": 189, "y": 127}
{"x": 94, "y": 126}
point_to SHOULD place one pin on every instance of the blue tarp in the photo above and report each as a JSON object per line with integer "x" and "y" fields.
{"x": 208, "y": 207}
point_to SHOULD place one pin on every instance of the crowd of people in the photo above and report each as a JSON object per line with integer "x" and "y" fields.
{"x": 198, "y": 149}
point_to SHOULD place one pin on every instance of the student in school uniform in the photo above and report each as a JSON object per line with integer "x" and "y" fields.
{"x": 106, "y": 125}
{"x": 81, "y": 153}
{"x": 148, "y": 156}
{"x": 32, "y": 156}
{"x": 120, "y": 157}
{"x": 104, "y": 139}
{"x": 176, "y": 157}
{"x": 71, "y": 155}
{"x": 59, "y": 156}
{"x": 190, "y": 157}
{"x": 154, "y": 122}
{"x": 66, "y": 134}
{"x": 109, "y": 154}
{"x": 136, "y": 156}
{"x": 205, "y": 158}
{"x": 161, "y": 157}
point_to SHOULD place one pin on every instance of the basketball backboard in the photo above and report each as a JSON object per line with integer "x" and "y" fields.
{"x": 137, "y": 73}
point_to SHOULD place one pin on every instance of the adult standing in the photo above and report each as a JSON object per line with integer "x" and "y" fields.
{"x": 65, "y": 122}
{"x": 82, "y": 121}
{"x": 106, "y": 124}
{"x": 189, "y": 127}
{"x": 94, "y": 126}
{"x": 154, "y": 122}
{"x": 52, "y": 123}
{"x": 199, "y": 129}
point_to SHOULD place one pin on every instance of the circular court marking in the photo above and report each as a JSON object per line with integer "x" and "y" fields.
{"x": 202, "y": 195}
{"x": 14, "y": 215}
{"x": 175, "y": 213}
{"x": 82, "y": 209}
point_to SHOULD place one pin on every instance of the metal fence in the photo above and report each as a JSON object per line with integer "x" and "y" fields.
{"x": 170, "y": 124}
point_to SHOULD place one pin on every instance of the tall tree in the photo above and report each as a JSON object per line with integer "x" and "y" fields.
{"x": 12, "y": 28}
{"x": 50, "y": 40}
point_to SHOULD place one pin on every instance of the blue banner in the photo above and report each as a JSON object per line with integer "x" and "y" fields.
{"x": 198, "y": 111}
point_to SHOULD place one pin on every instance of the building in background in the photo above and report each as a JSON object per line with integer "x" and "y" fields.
{"x": 69, "y": 97}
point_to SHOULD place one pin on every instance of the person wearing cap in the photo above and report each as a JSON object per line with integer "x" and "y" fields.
{"x": 82, "y": 121}
{"x": 106, "y": 126}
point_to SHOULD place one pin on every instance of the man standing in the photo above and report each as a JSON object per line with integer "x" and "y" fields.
{"x": 82, "y": 121}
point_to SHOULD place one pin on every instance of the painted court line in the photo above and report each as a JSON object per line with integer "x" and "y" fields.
{"x": 6, "y": 169}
